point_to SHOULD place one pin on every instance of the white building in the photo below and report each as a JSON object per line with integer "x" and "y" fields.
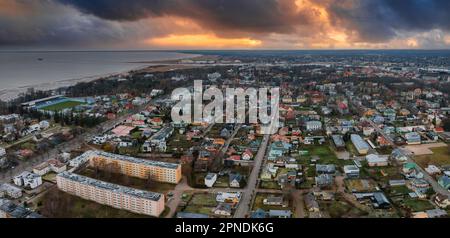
{"x": 374, "y": 160}
{"x": 210, "y": 179}
{"x": 214, "y": 76}
{"x": 313, "y": 125}
{"x": 27, "y": 179}
{"x": 44, "y": 125}
{"x": 361, "y": 146}
{"x": 11, "y": 190}
{"x": 50, "y": 165}
{"x": 351, "y": 171}
{"x": 2, "y": 152}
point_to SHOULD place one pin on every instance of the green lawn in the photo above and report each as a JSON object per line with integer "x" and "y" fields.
{"x": 417, "y": 205}
{"x": 391, "y": 172}
{"x": 62, "y": 106}
{"x": 399, "y": 190}
{"x": 339, "y": 209}
{"x": 269, "y": 185}
{"x": 222, "y": 182}
{"x": 326, "y": 155}
{"x": 199, "y": 209}
{"x": 178, "y": 142}
{"x": 204, "y": 199}
{"x": 202, "y": 203}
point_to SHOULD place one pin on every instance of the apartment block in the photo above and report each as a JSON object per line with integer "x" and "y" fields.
{"x": 135, "y": 167}
{"x": 120, "y": 197}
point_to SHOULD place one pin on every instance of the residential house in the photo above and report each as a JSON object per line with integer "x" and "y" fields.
{"x": 413, "y": 138}
{"x": 313, "y": 125}
{"x": 280, "y": 214}
{"x": 399, "y": 155}
{"x": 158, "y": 141}
{"x": 444, "y": 181}
{"x": 379, "y": 200}
{"x": 235, "y": 180}
{"x": 442, "y": 201}
{"x": 324, "y": 180}
{"x": 274, "y": 201}
{"x": 351, "y": 171}
{"x": 432, "y": 169}
{"x": 325, "y": 169}
{"x": 210, "y": 179}
{"x": 338, "y": 142}
{"x": 374, "y": 160}
{"x": 10, "y": 210}
{"x": 228, "y": 197}
{"x": 436, "y": 213}
{"x": 223, "y": 209}
{"x": 310, "y": 202}
{"x": 247, "y": 155}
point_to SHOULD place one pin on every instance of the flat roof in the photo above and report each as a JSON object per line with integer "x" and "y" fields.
{"x": 110, "y": 186}
{"x": 92, "y": 153}
{"x": 338, "y": 140}
{"x": 359, "y": 142}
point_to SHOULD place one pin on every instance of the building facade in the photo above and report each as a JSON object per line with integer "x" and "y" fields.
{"x": 134, "y": 200}
{"x": 134, "y": 167}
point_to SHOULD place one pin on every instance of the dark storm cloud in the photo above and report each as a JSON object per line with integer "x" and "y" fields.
{"x": 374, "y": 20}
{"x": 230, "y": 15}
{"x": 101, "y": 22}
{"x": 379, "y": 20}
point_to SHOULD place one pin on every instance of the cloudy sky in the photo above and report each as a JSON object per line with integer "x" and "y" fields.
{"x": 224, "y": 24}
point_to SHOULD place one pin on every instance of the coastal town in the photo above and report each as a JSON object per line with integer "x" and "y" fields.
{"x": 360, "y": 136}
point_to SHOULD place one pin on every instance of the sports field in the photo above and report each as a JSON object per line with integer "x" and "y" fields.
{"x": 61, "y": 106}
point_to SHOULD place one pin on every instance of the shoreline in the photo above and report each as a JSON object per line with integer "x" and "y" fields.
{"x": 9, "y": 94}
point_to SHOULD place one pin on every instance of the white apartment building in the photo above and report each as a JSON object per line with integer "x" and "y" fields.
{"x": 130, "y": 199}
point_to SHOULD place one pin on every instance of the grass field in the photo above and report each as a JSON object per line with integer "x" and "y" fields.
{"x": 58, "y": 204}
{"x": 62, "y": 106}
{"x": 204, "y": 199}
{"x": 417, "y": 205}
{"x": 202, "y": 203}
{"x": 326, "y": 155}
{"x": 440, "y": 157}
{"x": 360, "y": 185}
{"x": 269, "y": 185}
{"x": 399, "y": 190}
{"x": 341, "y": 209}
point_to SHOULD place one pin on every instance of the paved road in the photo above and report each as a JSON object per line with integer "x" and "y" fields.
{"x": 438, "y": 188}
{"x": 244, "y": 205}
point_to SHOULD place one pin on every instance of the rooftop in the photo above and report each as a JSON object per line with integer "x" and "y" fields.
{"x": 92, "y": 153}
{"x": 112, "y": 187}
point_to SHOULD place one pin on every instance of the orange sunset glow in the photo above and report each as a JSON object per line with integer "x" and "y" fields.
{"x": 203, "y": 40}
{"x": 231, "y": 24}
